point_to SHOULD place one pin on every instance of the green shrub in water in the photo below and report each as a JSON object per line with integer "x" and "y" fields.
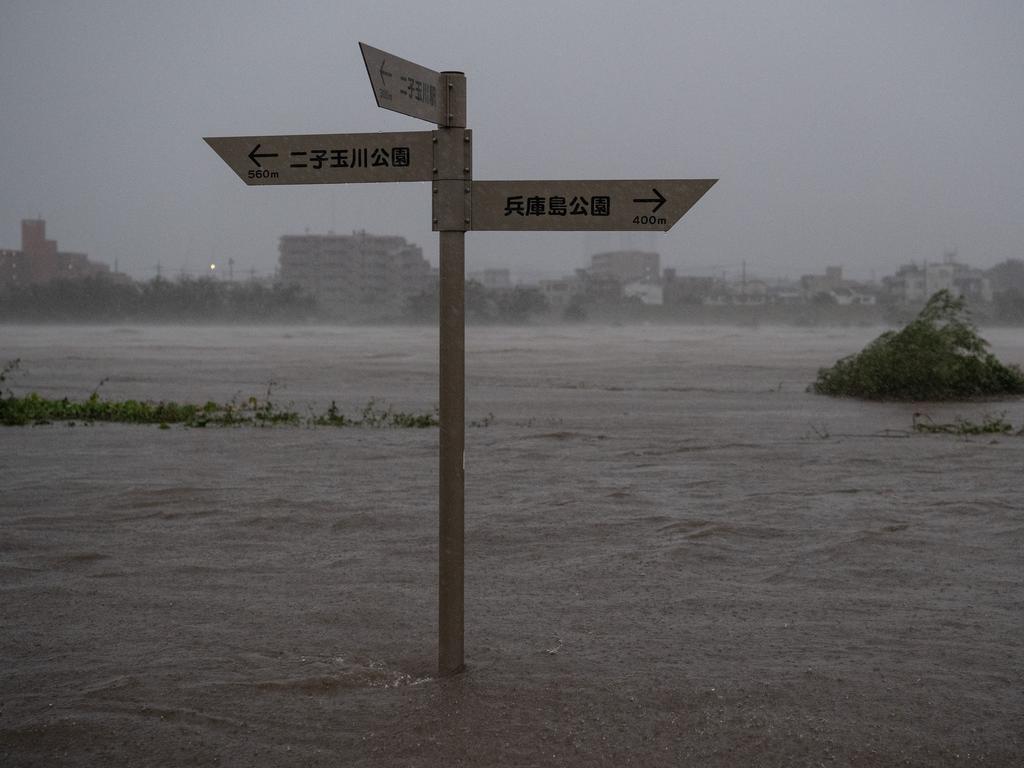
{"x": 937, "y": 356}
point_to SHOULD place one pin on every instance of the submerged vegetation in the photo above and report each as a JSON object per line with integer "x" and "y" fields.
{"x": 252, "y": 411}
{"x": 937, "y": 356}
{"x": 990, "y": 425}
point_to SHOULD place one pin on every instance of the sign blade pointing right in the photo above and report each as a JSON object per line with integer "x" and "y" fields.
{"x": 403, "y": 86}
{"x": 591, "y": 204}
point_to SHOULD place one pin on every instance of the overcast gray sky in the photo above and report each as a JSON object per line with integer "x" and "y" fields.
{"x": 866, "y": 134}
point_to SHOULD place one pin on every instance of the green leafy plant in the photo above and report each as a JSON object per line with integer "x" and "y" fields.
{"x": 937, "y": 356}
{"x": 251, "y": 411}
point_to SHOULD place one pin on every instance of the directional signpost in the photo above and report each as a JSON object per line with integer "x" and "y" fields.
{"x": 330, "y": 158}
{"x": 575, "y": 205}
{"x": 444, "y": 158}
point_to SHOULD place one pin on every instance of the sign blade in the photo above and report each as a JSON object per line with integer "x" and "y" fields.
{"x": 328, "y": 158}
{"x": 403, "y": 86}
{"x": 592, "y": 204}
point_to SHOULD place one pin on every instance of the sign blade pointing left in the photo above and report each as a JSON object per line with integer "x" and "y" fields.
{"x": 328, "y": 158}
{"x": 402, "y": 85}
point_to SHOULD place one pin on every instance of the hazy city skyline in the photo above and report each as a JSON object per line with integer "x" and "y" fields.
{"x": 868, "y": 135}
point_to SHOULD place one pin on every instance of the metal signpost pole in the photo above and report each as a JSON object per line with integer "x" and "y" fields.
{"x": 451, "y": 195}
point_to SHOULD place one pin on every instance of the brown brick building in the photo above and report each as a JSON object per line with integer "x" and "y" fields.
{"x": 39, "y": 261}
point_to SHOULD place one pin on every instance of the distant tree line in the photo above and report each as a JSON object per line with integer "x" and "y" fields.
{"x": 483, "y": 305}
{"x": 101, "y": 299}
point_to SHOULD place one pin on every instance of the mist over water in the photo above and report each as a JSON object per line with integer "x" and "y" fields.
{"x": 674, "y": 554}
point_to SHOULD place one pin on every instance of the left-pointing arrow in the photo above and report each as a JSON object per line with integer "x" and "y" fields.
{"x": 420, "y": 87}
{"x": 253, "y": 155}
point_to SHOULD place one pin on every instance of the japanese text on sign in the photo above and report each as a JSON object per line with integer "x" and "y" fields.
{"x": 359, "y": 157}
{"x": 417, "y": 90}
{"x": 522, "y": 205}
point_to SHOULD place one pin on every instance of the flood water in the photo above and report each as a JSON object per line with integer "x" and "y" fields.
{"x": 675, "y": 555}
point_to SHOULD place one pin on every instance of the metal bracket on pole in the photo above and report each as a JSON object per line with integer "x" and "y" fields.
{"x": 453, "y": 180}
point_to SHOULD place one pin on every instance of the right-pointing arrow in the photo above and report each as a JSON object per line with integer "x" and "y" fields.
{"x": 660, "y": 200}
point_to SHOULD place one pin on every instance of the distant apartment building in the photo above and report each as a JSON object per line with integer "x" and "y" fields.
{"x": 599, "y": 287}
{"x": 627, "y": 266}
{"x": 832, "y": 280}
{"x": 358, "y": 276}
{"x": 688, "y": 289}
{"x": 833, "y": 286}
{"x": 913, "y": 284}
{"x": 39, "y": 261}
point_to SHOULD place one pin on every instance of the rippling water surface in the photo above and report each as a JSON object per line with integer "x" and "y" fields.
{"x": 675, "y": 556}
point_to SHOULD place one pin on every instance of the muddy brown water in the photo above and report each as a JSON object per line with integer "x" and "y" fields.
{"x": 675, "y": 556}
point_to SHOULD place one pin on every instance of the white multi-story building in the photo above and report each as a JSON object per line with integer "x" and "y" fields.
{"x": 914, "y": 285}
{"x": 357, "y": 276}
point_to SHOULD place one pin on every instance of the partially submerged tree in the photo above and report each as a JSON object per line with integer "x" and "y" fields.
{"x": 937, "y": 356}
